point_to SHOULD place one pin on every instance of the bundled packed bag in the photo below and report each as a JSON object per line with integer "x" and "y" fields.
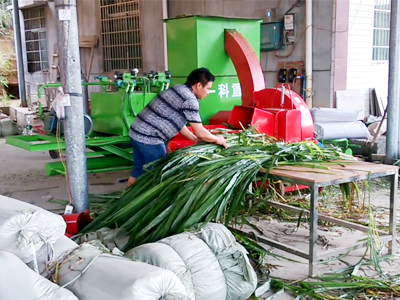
{"x": 209, "y": 262}
{"x": 94, "y": 275}
{"x": 334, "y": 115}
{"x": 348, "y": 130}
{"x": 19, "y": 282}
{"x": 29, "y": 231}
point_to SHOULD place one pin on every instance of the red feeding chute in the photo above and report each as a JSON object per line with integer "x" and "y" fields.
{"x": 247, "y": 65}
{"x": 278, "y": 112}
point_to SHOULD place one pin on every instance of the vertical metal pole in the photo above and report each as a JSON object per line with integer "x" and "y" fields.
{"x": 18, "y": 51}
{"x": 68, "y": 41}
{"x": 165, "y": 16}
{"x": 392, "y": 136}
{"x": 309, "y": 56}
{"x": 312, "y": 252}
{"x": 394, "y": 185}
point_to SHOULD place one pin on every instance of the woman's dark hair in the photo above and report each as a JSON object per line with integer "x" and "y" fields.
{"x": 201, "y": 75}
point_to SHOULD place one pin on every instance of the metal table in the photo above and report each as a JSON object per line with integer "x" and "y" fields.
{"x": 335, "y": 174}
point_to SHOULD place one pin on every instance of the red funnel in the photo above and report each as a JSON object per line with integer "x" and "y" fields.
{"x": 76, "y": 222}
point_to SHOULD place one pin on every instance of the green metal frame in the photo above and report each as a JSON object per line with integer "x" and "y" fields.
{"x": 113, "y": 113}
{"x": 94, "y": 165}
{"x": 106, "y": 154}
{"x": 343, "y": 143}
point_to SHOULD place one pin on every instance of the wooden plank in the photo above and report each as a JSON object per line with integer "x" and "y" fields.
{"x": 332, "y": 172}
{"x": 88, "y": 41}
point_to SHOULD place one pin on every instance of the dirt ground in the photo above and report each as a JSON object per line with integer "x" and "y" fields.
{"x": 23, "y": 177}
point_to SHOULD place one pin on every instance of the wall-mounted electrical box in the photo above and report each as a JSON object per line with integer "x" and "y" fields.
{"x": 271, "y": 36}
{"x": 289, "y": 28}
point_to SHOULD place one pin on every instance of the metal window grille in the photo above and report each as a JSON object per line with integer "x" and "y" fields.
{"x": 36, "y": 39}
{"x": 120, "y": 24}
{"x": 380, "y": 49}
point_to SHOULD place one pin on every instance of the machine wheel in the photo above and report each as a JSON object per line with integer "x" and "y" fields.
{"x": 54, "y": 154}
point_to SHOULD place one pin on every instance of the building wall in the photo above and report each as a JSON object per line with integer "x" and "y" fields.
{"x": 270, "y": 61}
{"x": 152, "y": 35}
{"x": 153, "y": 46}
{"x": 362, "y": 72}
{"x": 89, "y": 24}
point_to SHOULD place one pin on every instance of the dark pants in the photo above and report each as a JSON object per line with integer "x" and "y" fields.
{"x": 144, "y": 154}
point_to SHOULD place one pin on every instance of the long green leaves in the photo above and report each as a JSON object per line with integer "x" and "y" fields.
{"x": 201, "y": 183}
{"x": 345, "y": 283}
{"x": 342, "y": 286}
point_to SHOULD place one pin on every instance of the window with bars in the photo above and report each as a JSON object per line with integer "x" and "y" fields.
{"x": 120, "y": 31}
{"x": 36, "y": 39}
{"x": 380, "y": 48}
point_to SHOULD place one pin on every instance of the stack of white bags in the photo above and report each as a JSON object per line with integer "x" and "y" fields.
{"x": 32, "y": 243}
{"x": 27, "y": 238}
{"x": 208, "y": 260}
{"x": 334, "y": 123}
{"x": 205, "y": 263}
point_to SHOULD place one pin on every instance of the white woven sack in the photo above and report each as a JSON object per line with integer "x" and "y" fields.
{"x": 331, "y": 115}
{"x": 207, "y": 277}
{"x": 208, "y": 261}
{"x": 14, "y": 204}
{"x": 241, "y": 279}
{"x": 163, "y": 256}
{"x": 100, "y": 276}
{"x": 30, "y": 233}
{"x": 62, "y": 246}
{"x": 348, "y": 130}
{"x": 19, "y": 282}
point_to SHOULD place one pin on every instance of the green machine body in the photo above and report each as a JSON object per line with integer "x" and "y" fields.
{"x": 199, "y": 41}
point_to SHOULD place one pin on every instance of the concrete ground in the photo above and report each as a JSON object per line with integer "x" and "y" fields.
{"x": 23, "y": 177}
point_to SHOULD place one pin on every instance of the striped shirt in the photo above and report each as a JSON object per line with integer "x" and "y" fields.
{"x": 165, "y": 116}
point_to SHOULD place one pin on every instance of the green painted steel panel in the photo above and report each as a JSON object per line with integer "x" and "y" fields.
{"x": 225, "y": 94}
{"x": 107, "y": 163}
{"x": 199, "y": 41}
{"x": 35, "y": 143}
{"x": 111, "y": 113}
{"x": 106, "y": 111}
{"x": 181, "y": 46}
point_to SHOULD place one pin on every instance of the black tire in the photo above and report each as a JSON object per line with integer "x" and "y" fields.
{"x": 54, "y": 154}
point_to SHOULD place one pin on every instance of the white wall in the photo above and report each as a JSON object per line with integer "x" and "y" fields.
{"x": 362, "y": 72}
